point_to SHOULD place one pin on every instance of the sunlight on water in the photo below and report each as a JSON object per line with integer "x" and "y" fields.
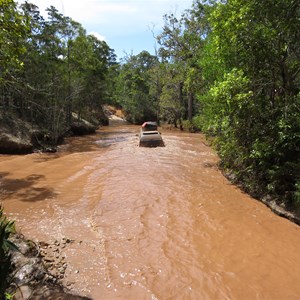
{"x": 151, "y": 223}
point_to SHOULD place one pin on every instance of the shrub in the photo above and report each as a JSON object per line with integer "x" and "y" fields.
{"x": 6, "y": 229}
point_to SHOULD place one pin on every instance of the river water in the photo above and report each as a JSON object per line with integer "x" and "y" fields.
{"x": 151, "y": 223}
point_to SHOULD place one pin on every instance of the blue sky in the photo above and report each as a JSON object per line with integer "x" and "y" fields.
{"x": 126, "y": 25}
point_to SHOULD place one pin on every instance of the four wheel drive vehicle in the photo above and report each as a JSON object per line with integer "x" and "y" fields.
{"x": 149, "y": 136}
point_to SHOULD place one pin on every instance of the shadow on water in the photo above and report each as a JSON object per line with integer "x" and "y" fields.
{"x": 44, "y": 157}
{"x": 24, "y": 189}
{"x": 88, "y": 143}
{"x": 107, "y": 141}
{"x": 101, "y": 139}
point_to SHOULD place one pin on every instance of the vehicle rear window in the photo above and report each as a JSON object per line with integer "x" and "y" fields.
{"x": 149, "y": 132}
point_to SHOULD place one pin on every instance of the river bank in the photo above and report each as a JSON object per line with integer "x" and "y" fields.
{"x": 38, "y": 270}
{"x": 19, "y": 136}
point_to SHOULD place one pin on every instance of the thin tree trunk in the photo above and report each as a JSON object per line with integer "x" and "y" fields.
{"x": 190, "y": 106}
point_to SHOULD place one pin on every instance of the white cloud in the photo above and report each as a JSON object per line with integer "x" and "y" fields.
{"x": 113, "y": 11}
{"x": 99, "y": 36}
{"x": 124, "y": 23}
{"x": 98, "y": 12}
{"x": 88, "y": 10}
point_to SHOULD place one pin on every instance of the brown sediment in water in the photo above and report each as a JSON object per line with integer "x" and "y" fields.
{"x": 151, "y": 223}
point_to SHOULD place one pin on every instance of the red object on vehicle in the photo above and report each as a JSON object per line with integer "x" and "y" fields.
{"x": 149, "y": 126}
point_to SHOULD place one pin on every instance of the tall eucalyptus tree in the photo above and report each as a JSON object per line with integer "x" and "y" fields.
{"x": 181, "y": 42}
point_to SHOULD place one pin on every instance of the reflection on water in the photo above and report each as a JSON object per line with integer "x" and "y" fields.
{"x": 151, "y": 223}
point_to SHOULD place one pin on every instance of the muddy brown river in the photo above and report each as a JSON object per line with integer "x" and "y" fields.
{"x": 151, "y": 223}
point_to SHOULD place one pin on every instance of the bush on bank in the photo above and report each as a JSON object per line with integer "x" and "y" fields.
{"x": 7, "y": 227}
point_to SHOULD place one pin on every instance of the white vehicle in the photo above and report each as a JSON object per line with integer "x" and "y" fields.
{"x": 149, "y": 136}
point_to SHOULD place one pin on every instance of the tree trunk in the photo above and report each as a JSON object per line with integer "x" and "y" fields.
{"x": 190, "y": 106}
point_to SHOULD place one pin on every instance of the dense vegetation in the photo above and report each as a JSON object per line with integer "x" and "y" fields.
{"x": 50, "y": 70}
{"x": 6, "y": 229}
{"x": 228, "y": 68}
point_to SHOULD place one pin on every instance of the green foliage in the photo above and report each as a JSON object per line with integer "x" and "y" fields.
{"x": 12, "y": 33}
{"x": 8, "y": 296}
{"x": 222, "y": 103}
{"x": 6, "y": 229}
{"x": 181, "y": 42}
{"x": 44, "y": 77}
{"x": 172, "y": 98}
{"x": 192, "y": 125}
{"x": 134, "y": 92}
{"x": 251, "y": 62}
{"x": 297, "y": 193}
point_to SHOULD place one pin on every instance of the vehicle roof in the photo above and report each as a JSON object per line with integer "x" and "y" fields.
{"x": 151, "y": 123}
